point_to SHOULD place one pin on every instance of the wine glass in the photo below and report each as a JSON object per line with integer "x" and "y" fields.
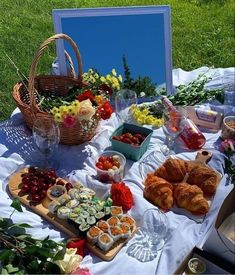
{"x": 150, "y": 237}
{"x": 46, "y": 136}
{"x": 174, "y": 122}
{"x": 124, "y": 99}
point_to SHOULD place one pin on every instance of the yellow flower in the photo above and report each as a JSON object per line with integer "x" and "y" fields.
{"x": 114, "y": 72}
{"x": 58, "y": 117}
{"x": 96, "y": 76}
{"x": 99, "y": 99}
{"x": 70, "y": 262}
{"x": 120, "y": 78}
{"x": 108, "y": 77}
{"x": 76, "y": 103}
{"x": 102, "y": 79}
{"x": 54, "y": 110}
{"x": 90, "y": 71}
{"x": 63, "y": 110}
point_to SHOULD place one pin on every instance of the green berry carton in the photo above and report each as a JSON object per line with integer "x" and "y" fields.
{"x": 131, "y": 151}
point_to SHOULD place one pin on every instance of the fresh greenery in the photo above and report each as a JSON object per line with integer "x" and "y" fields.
{"x": 143, "y": 85}
{"x": 22, "y": 254}
{"x": 195, "y": 93}
{"x": 202, "y": 35}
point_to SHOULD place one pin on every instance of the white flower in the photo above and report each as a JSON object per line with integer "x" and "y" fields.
{"x": 142, "y": 94}
{"x": 86, "y": 110}
{"x": 70, "y": 262}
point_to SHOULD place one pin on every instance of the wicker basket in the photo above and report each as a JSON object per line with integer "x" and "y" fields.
{"x": 27, "y": 99}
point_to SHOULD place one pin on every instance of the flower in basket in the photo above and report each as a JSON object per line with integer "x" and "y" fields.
{"x": 88, "y": 101}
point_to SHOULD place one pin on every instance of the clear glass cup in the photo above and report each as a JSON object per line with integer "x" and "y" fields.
{"x": 46, "y": 136}
{"x": 150, "y": 237}
{"x": 174, "y": 122}
{"x": 124, "y": 99}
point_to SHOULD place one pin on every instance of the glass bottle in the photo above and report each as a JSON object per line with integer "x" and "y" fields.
{"x": 191, "y": 135}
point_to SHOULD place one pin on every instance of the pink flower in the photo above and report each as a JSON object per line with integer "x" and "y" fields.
{"x": 82, "y": 271}
{"x": 227, "y": 145}
{"x": 69, "y": 121}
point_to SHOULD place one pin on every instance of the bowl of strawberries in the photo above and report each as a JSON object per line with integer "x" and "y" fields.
{"x": 110, "y": 166}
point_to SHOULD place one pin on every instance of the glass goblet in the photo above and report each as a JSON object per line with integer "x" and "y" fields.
{"x": 174, "y": 122}
{"x": 124, "y": 99}
{"x": 46, "y": 136}
{"x": 150, "y": 237}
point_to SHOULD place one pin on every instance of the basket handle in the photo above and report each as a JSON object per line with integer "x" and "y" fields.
{"x": 40, "y": 52}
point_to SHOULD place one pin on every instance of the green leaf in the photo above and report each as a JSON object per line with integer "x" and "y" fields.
{"x": 4, "y": 271}
{"x": 21, "y": 225}
{"x": 32, "y": 267}
{"x": 17, "y": 205}
{"x": 59, "y": 255}
{"x": 11, "y": 269}
{"x": 5, "y": 223}
{"x": 5, "y": 255}
{"x": 38, "y": 251}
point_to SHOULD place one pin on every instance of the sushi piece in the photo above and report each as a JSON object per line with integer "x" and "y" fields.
{"x": 80, "y": 220}
{"x": 72, "y": 216}
{"x": 53, "y": 206}
{"x": 74, "y": 193}
{"x": 105, "y": 241}
{"x": 88, "y": 191}
{"x": 128, "y": 220}
{"x": 107, "y": 210}
{"x": 63, "y": 212}
{"x": 99, "y": 207}
{"x": 113, "y": 221}
{"x": 64, "y": 199}
{"x": 84, "y": 227}
{"x": 91, "y": 210}
{"x": 72, "y": 203}
{"x": 84, "y": 214}
{"x": 77, "y": 209}
{"x": 84, "y": 205}
{"x": 99, "y": 215}
{"x": 93, "y": 234}
{"x": 126, "y": 230}
{"x": 115, "y": 232}
{"x": 116, "y": 211}
{"x": 103, "y": 225}
{"x": 91, "y": 220}
{"x": 85, "y": 197}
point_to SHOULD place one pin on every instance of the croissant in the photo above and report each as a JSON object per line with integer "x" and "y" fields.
{"x": 190, "y": 197}
{"x": 174, "y": 170}
{"x": 158, "y": 191}
{"x": 205, "y": 178}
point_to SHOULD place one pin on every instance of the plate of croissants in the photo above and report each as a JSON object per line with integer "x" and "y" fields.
{"x": 185, "y": 187}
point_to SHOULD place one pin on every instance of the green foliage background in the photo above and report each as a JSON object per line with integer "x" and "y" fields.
{"x": 202, "y": 35}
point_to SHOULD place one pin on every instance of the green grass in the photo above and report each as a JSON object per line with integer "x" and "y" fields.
{"x": 202, "y": 35}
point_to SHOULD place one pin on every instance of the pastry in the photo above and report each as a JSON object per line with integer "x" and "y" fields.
{"x": 190, "y": 197}
{"x": 158, "y": 191}
{"x": 205, "y": 178}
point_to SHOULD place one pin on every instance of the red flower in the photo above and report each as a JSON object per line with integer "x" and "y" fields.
{"x": 69, "y": 121}
{"x": 79, "y": 244}
{"x": 106, "y": 88}
{"x": 105, "y": 110}
{"x": 86, "y": 95}
{"x": 121, "y": 195}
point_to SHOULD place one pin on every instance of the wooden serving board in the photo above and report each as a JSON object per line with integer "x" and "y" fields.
{"x": 41, "y": 208}
{"x": 112, "y": 252}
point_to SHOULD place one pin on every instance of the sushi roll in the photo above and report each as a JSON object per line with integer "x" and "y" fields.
{"x": 77, "y": 209}
{"x": 126, "y": 230}
{"x": 91, "y": 210}
{"x": 74, "y": 193}
{"x": 72, "y": 203}
{"x": 93, "y": 234}
{"x": 128, "y": 220}
{"x": 73, "y": 216}
{"x": 105, "y": 241}
{"x": 88, "y": 191}
{"x": 83, "y": 197}
{"x": 115, "y": 232}
{"x": 84, "y": 205}
{"x": 80, "y": 220}
{"x": 91, "y": 220}
{"x": 99, "y": 206}
{"x": 53, "y": 206}
{"x": 84, "y": 214}
{"x": 103, "y": 225}
{"x": 107, "y": 210}
{"x": 99, "y": 215}
{"x": 116, "y": 211}
{"x": 63, "y": 212}
{"x": 113, "y": 221}
{"x": 84, "y": 227}
{"x": 64, "y": 199}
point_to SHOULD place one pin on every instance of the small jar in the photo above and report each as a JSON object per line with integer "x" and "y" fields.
{"x": 196, "y": 266}
{"x": 228, "y": 128}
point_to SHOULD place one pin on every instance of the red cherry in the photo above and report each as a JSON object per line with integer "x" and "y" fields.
{"x": 101, "y": 159}
{"x": 60, "y": 182}
{"x": 43, "y": 194}
{"x": 68, "y": 186}
{"x": 34, "y": 190}
{"x": 35, "y": 198}
{"x": 99, "y": 165}
{"x": 25, "y": 188}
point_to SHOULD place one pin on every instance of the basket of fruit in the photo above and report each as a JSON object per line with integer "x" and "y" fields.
{"x": 77, "y": 120}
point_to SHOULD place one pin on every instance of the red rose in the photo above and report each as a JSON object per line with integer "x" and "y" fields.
{"x": 86, "y": 95}
{"x": 121, "y": 195}
{"x": 79, "y": 245}
{"x": 106, "y": 88}
{"x": 105, "y": 110}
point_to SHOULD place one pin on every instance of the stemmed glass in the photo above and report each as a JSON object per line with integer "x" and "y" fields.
{"x": 174, "y": 122}
{"x": 150, "y": 237}
{"x": 46, "y": 136}
{"x": 124, "y": 99}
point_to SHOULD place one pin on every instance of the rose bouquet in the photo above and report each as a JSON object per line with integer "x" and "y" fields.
{"x": 87, "y": 103}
